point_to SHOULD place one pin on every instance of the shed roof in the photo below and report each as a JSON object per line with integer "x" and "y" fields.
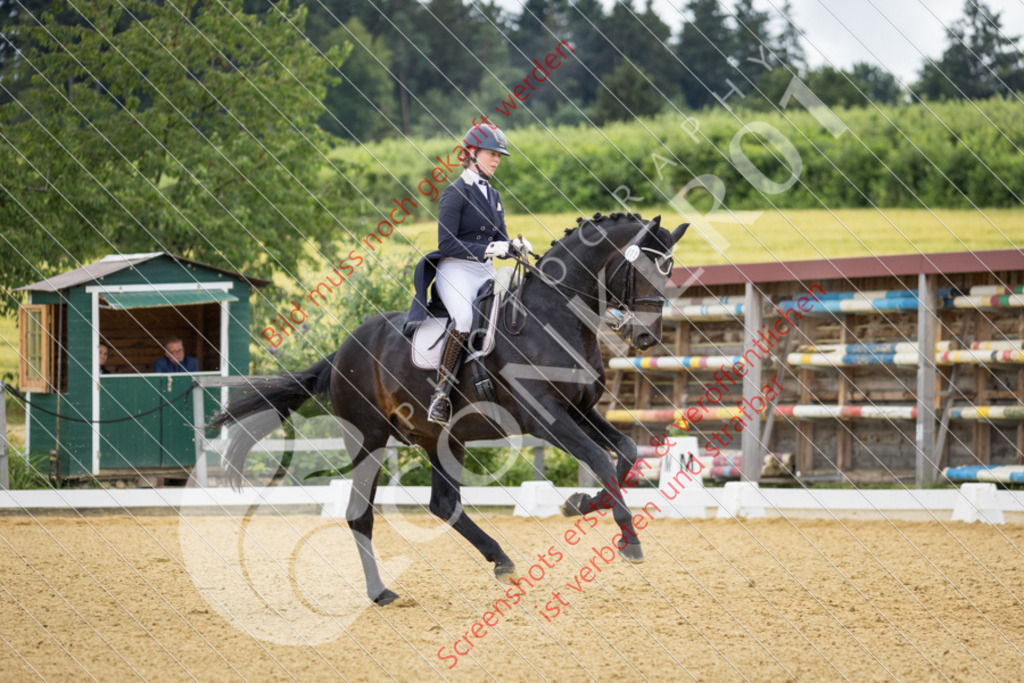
{"x": 855, "y": 267}
{"x": 114, "y": 263}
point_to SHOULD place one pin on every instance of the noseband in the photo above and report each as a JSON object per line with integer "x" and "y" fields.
{"x": 626, "y": 305}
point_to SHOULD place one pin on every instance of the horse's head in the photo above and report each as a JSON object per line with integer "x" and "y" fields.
{"x": 620, "y": 262}
{"x": 637, "y": 278}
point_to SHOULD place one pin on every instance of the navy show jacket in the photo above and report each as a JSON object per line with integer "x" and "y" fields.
{"x": 466, "y": 224}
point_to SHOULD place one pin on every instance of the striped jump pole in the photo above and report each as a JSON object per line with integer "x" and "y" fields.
{"x": 826, "y": 306}
{"x": 799, "y": 412}
{"x": 997, "y": 301}
{"x": 911, "y": 347}
{"x": 1006, "y": 474}
{"x": 705, "y": 301}
{"x": 884, "y": 347}
{"x": 666, "y": 415}
{"x": 998, "y": 345}
{"x": 988, "y": 413}
{"x": 703, "y": 312}
{"x": 995, "y": 290}
{"x": 910, "y": 359}
{"x": 959, "y": 357}
{"x": 672, "y": 363}
{"x": 815, "y": 412}
{"x": 843, "y": 360}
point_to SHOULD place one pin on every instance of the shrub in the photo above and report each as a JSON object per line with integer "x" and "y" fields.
{"x": 949, "y": 154}
{"x": 28, "y": 472}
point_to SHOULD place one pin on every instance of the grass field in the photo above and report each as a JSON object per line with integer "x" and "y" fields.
{"x": 9, "y": 373}
{"x": 754, "y": 237}
{"x": 8, "y": 347}
{"x": 751, "y": 237}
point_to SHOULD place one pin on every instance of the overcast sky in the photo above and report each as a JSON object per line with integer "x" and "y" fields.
{"x": 897, "y": 34}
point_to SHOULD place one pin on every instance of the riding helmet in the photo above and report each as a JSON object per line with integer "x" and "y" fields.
{"x": 485, "y": 136}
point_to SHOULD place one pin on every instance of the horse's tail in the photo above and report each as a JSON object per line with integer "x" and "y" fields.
{"x": 264, "y": 406}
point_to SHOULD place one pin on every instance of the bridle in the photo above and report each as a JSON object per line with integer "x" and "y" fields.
{"x": 660, "y": 263}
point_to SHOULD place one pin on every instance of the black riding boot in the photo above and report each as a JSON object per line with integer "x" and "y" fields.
{"x": 440, "y": 410}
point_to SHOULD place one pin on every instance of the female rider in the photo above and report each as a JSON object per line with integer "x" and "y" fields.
{"x": 470, "y": 232}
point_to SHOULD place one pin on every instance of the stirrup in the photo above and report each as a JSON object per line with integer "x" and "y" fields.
{"x": 440, "y": 410}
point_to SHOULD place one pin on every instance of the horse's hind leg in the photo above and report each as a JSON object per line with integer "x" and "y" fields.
{"x": 446, "y": 503}
{"x": 359, "y": 514}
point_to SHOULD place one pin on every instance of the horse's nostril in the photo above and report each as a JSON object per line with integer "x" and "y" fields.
{"x": 645, "y": 340}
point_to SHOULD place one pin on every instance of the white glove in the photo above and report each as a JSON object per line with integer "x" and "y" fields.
{"x": 499, "y": 249}
{"x": 522, "y": 245}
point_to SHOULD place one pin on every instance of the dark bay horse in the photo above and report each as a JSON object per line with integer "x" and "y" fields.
{"x": 547, "y": 372}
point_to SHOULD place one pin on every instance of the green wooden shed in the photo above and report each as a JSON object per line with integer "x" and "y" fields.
{"x": 132, "y": 304}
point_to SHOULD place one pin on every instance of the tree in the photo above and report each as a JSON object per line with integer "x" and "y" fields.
{"x": 879, "y": 85}
{"x": 585, "y": 30}
{"x": 703, "y": 49}
{"x": 835, "y": 88}
{"x": 540, "y": 26}
{"x": 536, "y": 27}
{"x": 363, "y": 105}
{"x": 15, "y": 17}
{"x": 450, "y": 29}
{"x": 651, "y": 51}
{"x": 451, "y": 47}
{"x": 142, "y": 130}
{"x": 627, "y": 94}
{"x": 787, "y": 44}
{"x": 398, "y": 23}
{"x": 980, "y": 61}
{"x": 752, "y": 42}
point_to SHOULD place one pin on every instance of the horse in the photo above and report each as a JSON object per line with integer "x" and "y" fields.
{"x": 548, "y": 377}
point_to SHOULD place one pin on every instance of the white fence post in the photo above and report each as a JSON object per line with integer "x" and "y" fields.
{"x": 4, "y": 480}
{"x": 200, "y": 434}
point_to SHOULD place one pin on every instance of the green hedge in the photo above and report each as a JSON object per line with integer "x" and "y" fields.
{"x": 948, "y": 154}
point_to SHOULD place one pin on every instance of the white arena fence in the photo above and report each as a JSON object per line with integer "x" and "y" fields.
{"x": 677, "y": 494}
{"x": 971, "y": 502}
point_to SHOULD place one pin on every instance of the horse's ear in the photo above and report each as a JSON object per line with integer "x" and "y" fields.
{"x": 678, "y": 233}
{"x": 651, "y": 227}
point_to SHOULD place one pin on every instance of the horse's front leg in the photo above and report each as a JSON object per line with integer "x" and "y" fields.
{"x": 446, "y": 503}
{"x": 576, "y": 440}
{"x": 607, "y": 436}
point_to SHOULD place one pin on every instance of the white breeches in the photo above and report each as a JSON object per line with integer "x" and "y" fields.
{"x": 457, "y": 282}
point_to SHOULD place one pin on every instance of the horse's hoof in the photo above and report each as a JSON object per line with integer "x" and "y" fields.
{"x": 504, "y": 569}
{"x": 633, "y": 553}
{"x": 386, "y": 598}
{"x": 571, "y": 507}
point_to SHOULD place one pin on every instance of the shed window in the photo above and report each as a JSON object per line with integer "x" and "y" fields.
{"x": 35, "y": 322}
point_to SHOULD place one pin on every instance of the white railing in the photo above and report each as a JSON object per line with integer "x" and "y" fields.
{"x": 204, "y": 444}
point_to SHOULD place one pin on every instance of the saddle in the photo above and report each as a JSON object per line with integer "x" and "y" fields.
{"x": 428, "y": 339}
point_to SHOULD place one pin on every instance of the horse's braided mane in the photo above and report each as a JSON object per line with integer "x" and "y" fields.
{"x": 598, "y": 217}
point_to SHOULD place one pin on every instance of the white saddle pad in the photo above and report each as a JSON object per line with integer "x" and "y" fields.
{"x": 428, "y": 340}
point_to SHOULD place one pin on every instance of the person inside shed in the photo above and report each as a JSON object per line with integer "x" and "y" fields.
{"x": 470, "y": 233}
{"x": 174, "y": 358}
{"x": 104, "y": 353}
